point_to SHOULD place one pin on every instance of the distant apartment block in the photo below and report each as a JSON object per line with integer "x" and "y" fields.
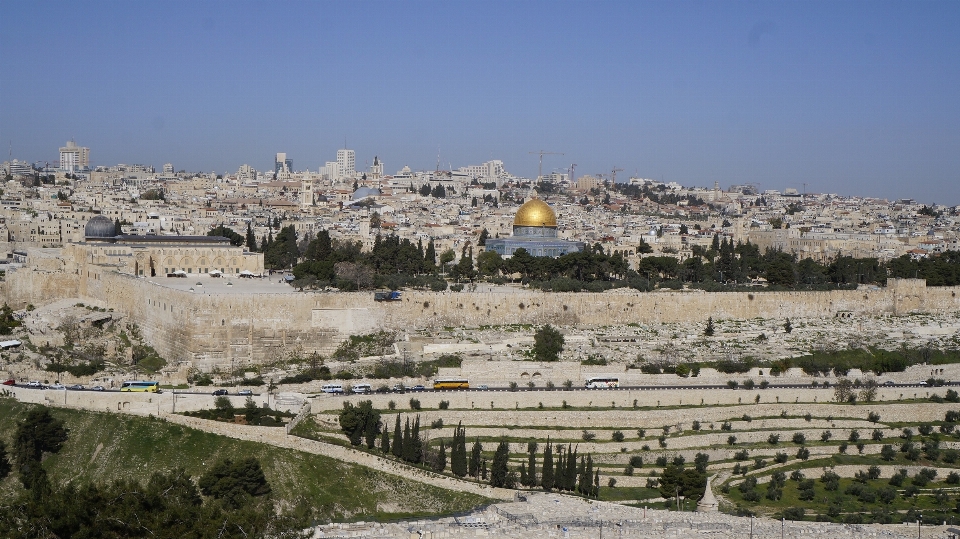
{"x": 346, "y": 163}
{"x": 282, "y": 165}
{"x": 74, "y": 158}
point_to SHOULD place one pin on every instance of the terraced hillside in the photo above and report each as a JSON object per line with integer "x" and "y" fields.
{"x": 104, "y": 446}
{"x": 881, "y": 462}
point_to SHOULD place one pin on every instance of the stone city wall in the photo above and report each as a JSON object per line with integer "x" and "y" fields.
{"x": 217, "y": 329}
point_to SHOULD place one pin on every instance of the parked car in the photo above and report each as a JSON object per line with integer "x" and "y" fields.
{"x": 245, "y": 392}
{"x": 482, "y": 387}
{"x": 219, "y": 392}
{"x": 76, "y": 387}
{"x": 58, "y": 386}
{"x": 922, "y": 383}
{"x": 398, "y": 388}
{"x": 10, "y": 382}
{"x": 98, "y": 388}
{"x": 34, "y": 383}
{"x": 889, "y": 383}
{"x": 418, "y": 387}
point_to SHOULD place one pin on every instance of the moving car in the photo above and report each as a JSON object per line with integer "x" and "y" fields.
{"x": 98, "y": 388}
{"x": 76, "y": 387}
{"x": 219, "y": 392}
{"x": 34, "y": 383}
{"x": 10, "y": 382}
{"x": 58, "y": 386}
{"x": 418, "y": 387}
{"x": 245, "y": 392}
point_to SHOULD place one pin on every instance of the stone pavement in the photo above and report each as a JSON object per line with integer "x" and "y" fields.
{"x": 566, "y": 517}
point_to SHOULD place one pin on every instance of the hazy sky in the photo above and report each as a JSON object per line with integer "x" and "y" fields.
{"x": 856, "y": 98}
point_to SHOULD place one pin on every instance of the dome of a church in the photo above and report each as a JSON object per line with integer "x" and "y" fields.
{"x": 535, "y": 213}
{"x": 100, "y": 227}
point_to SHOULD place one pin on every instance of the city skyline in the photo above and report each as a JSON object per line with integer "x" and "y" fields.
{"x": 852, "y": 98}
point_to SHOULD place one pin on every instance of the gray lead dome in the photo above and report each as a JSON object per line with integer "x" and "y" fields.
{"x": 99, "y": 227}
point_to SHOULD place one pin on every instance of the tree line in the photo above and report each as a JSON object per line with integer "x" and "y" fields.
{"x": 561, "y": 469}
{"x": 395, "y": 262}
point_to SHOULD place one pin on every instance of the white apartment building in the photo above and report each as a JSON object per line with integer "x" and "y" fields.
{"x": 489, "y": 171}
{"x": 73, "y": 157}
{"x": 346, "y": 163}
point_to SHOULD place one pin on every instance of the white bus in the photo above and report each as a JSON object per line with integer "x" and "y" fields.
{"x": 362, "y": 388}
{"x": 332, "y": 388}
{"x": 602, "y": 382}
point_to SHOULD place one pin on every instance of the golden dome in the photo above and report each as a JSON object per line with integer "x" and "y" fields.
{"x": 535, "y": 213}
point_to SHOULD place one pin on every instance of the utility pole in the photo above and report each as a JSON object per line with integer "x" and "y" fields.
{"x": 543, "y": 153}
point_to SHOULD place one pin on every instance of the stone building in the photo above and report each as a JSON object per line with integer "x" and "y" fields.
{"x": 153, "y": 256}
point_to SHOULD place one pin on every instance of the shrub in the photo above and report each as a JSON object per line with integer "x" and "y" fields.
{"x": 695, "y": 425}
{"x": 444, "y": 405}
{"x": 726, "y": 426}
{"x": 731, "y": 440}
{"x": 628, "y": 470}
{"x": 780, "y": 457}
{"x": 587, "y": 435}
{"x": 803, "y": 453}
{"x": 415, "y": 404}
{"x": 662, "y": 461}
{"x": 617, "y": 436}
{"x": 854, "y": 435}
{"x": 877, "y": 435}
{"x": 799, "y": 438}
{"x": 925, "y": 429}
{"x": 793, "y": 513}
{"x": 437, "y": 424}
{"x": 636, "y": 461}
{"x": 773, "y": 439}
{"x": 807, "y": 417}
{"x": 873, "y": 417}
{"x": 842, "y": 447}
{"x": 825, "y": 436}
{"x": 741, "y": 455}
{"x": 641, "y": 433}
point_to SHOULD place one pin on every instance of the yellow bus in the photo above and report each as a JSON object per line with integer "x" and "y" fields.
{"x": 140, "y": 386}
{"x": 451, "y": 383}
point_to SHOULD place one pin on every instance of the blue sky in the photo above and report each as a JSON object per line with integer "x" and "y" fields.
{"x": 856, "y": 98}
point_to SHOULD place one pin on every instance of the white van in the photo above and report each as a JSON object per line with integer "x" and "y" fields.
{"x": 332, "y": 388}
{"x": 362, "y": 388}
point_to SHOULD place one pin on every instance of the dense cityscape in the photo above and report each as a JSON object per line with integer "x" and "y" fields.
{"x": 438, "y": 270}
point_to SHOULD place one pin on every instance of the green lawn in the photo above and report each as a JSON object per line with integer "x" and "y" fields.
{"x": 104, "y": 446}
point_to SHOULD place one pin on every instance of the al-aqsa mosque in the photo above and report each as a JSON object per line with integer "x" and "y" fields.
{"x": 535, "y": 230}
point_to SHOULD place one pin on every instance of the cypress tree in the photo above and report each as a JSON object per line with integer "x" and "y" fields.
{"x": 546, "y": 477}
{"x": 531, "y": 464}
{"x": 475, "y": 454}
{"x": 385, "y": 440}
{"x": 406, "y": 440}
{"x": 583, "y": 480}
{"x": 458, "y": 452}
{"x": 483, "y": 470}
{"x": 596, "y": 484}
{"x": 416, "y": 444}
{"x": 558, "y": 469}
{"x": 397, "y": 448}
{"x": 570, "y": 477}
{"x": 441, "y": 458}
{"x": 251, "y": 240}
{"x": 523, "y": 474}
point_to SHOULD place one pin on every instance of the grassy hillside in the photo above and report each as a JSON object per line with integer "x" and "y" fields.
{"x": 104, "y": 446}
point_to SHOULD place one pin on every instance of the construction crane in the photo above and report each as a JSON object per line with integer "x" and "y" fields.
{"x": 543, "y": 153}
{"x": 613, "y": 174}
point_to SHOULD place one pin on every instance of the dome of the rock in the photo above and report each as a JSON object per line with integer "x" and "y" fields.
{"x": 535, "y": 213}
